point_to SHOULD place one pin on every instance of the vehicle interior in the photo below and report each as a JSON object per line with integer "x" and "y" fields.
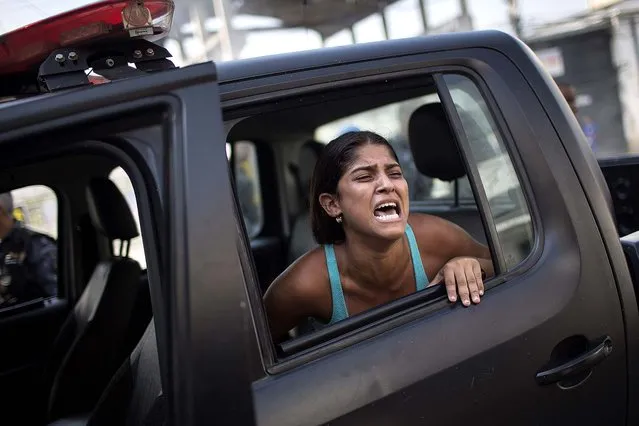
{"x": 290, "y": 147}
{"x": 68, "y": 347}
{"x": 91, "y": 353}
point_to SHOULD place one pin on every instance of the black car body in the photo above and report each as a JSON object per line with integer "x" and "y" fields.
{"x": 554, "y": 340}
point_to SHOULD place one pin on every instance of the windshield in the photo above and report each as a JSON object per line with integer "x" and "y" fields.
{"x": 18, "y": 13}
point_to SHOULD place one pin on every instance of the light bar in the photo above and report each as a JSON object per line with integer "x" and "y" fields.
{"x": 25, "y": 48}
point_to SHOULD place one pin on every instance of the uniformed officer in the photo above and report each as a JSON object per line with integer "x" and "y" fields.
{"x": 28, "y": 260}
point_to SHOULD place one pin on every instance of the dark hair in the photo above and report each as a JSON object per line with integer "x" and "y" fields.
{"x": 564, "y": 85}
{"x": 336, "y": 157}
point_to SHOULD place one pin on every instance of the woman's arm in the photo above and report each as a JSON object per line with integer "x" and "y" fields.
{"x": 295, "y": 295}
{"x": 466, "y": 262}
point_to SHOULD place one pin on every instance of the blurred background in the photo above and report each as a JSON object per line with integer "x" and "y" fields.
{"x": 592, "y": 45}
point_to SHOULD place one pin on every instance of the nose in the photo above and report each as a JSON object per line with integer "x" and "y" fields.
{"x": 384, "y": 184}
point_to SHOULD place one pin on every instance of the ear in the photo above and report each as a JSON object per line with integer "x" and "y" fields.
{"x": 330, "y": 204}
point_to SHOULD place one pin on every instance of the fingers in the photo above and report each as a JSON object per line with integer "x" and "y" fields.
{"x": 451, "y": 286}
{"x": 473, "y": 287}
{"x": 462, "y": 285}
{"x": 462, "y": 278}
{"x": 480, "y": 281}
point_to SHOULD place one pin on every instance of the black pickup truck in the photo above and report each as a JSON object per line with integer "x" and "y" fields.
{"x": 218, "y": 159}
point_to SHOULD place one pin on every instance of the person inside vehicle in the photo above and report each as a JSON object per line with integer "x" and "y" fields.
{"x": 28, "y": 260}
{"x": 372, "y": 250}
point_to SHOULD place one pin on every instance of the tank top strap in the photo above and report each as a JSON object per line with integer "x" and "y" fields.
{"x": 340, "y": 312}
{"x": 421, "y": 279}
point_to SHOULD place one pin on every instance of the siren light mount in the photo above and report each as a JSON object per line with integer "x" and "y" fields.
{"x": 67, "y": 67}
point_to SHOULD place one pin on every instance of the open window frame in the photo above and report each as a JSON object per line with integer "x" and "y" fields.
{"x": 300, "y": 350}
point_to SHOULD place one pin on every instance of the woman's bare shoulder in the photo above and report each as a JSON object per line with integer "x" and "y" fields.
{"x": 422, "y": 222}
{"x": 439, "y": 231}
{"x": 301, "y": 291}
{"x": 306, "y": 277}
{"x": 444, "y": 236}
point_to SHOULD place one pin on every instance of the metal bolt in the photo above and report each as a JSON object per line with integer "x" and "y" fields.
{"x": 110, "y": 62}
{"x": 150, "y": 52}
{"x": 137, "y": 54}
{"x": 59, "y": 57}
{"x": 73, "y": 56}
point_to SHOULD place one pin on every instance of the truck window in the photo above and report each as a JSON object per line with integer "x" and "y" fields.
{"x": 123, "y": 182}
{"x": 498, "y": 178}
{"x": 424, "y": 137}
{"x": 247, "y": 181}
{"x": 29, "y": 228}
{"x": 391, "y": 121}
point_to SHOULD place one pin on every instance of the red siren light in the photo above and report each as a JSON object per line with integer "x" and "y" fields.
{"x": 26, "y": 47}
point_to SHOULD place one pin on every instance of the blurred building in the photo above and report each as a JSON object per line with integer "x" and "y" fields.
{"x": 598, "y": 53}
{"x": 217, "y": 29}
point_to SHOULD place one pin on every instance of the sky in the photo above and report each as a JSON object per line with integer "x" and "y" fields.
{"x": 404, "y": 21}
{"x": 402, "y": 17}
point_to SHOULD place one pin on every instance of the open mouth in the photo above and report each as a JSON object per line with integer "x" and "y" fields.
{"x": 387, "y": 212}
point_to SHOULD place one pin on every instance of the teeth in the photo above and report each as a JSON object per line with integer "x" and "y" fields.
{"x": 387, "y": 205}
{"x": 387, "y": 217}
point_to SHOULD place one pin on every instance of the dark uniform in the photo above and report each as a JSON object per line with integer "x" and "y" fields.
{"x": 28, "y": 266}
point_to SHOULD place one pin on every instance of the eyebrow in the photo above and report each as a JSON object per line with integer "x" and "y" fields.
{"x": 371, "y": 168}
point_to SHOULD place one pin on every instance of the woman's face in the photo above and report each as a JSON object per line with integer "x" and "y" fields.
{"x": 372, "y": 194}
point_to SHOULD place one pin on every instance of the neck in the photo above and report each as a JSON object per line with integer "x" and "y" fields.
{"x": 376, "y": 264}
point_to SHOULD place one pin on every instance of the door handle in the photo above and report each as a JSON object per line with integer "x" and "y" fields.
{"x": 577, "y": 365}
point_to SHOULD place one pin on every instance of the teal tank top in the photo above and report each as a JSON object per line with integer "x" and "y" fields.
{"x": 340, "y": 312}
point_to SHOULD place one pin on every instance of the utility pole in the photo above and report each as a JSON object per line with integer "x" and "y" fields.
{"x": 226, "y": 32}
{"x": 515, "y": 17}
{"x": 382, "y": 13}
{"x": 463, "y": 5}
{"x": 424, "y": 14}
{"x": 466, "y": 20}
{"x": 351, "y": 30}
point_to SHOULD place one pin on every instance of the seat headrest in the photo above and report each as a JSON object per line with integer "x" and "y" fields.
{"x": 433, "y": 145}
{"x": 109, "y": 211}
{"x": 309, "y": 153}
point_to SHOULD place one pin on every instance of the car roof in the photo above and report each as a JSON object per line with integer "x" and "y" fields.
{"x": 264, "y": 66}
{"x": 245, "y": 73}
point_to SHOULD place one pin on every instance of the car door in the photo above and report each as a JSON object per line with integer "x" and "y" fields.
{"x": 164, "y": 130}
{"x": 547, "y": 344}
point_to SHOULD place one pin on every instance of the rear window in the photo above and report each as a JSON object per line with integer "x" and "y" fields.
{"x": 391, "y": 121}
{"x": 36, "y": 207}
{"x": 29, "y": 248}
{"x": 123, "y": 182}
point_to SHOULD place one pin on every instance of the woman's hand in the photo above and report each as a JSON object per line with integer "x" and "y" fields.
{"x": 462, "y": 277}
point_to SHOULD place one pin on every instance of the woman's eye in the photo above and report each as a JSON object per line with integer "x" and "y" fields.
{"x": 396, "y": 174}
{"x": 363, "y": 177}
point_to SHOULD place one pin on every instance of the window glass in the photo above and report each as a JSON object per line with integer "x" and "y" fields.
{"x": 496, "y": 171}
{"x": 247, "y": 183}
{"x": 37, "y": 208}
{"x": 28, "y": 246}
{"x": 391, "y": 121}
{"x": 123, "y": 182}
